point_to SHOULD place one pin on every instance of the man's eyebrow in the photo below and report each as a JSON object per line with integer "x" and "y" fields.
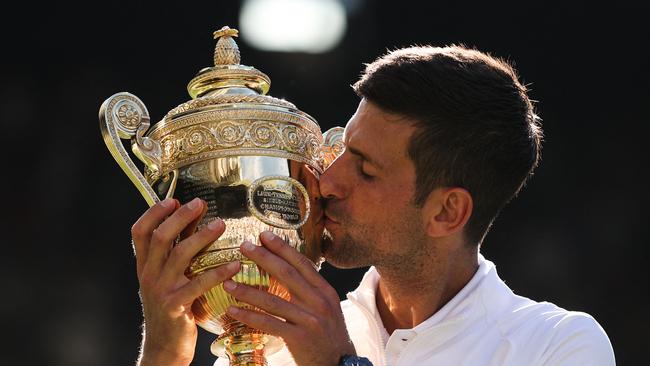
{"x": 355, "y": 151}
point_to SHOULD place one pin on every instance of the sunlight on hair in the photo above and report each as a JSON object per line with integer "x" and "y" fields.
{"x": 311, "y": 26}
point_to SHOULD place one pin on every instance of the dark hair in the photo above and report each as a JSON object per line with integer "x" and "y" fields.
{"x": 475, "y": 126}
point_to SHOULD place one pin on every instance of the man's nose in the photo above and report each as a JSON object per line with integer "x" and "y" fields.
{"x": 330, "y": 182}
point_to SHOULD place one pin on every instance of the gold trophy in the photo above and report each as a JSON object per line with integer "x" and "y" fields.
{"x": 253, "y": 158}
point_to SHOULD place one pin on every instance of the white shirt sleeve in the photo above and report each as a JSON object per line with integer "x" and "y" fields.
{"x": 579, "y": 340}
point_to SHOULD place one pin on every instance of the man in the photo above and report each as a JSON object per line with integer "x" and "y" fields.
{"x": 442, "y": 139}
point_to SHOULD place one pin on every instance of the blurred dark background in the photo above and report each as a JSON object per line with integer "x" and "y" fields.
{"x": 576, "y": 236}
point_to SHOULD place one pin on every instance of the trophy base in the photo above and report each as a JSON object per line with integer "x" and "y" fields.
{"x": 246, "y": 347}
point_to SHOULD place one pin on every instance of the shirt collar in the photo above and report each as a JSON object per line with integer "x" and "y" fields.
{"x": 461, "y": 306}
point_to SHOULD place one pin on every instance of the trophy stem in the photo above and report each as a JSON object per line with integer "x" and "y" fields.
{"x": 245, "y": 346}
{"x": 246, "y": 350}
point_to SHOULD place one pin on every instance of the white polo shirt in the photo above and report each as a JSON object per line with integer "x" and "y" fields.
{"x": 484, "y": 324}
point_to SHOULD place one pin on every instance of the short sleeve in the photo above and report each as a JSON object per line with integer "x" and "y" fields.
{"x": 579, "y": 340}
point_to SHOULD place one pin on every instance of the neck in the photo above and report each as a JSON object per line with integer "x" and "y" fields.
{"x": 406, "y": 298}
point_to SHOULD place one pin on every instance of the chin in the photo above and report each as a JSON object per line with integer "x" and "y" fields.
{"x": 329, "y": 249}
{"x": 337, "y": 257}
{"x": 341, "y": 251}
{"x": 327, "y": 242}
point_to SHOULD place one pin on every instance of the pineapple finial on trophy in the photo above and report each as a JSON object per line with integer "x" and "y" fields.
{"x": 226, "y": 52}
{"x": 228, "y": 75}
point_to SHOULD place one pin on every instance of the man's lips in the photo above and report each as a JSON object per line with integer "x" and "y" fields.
{"x": 329, "y": 219}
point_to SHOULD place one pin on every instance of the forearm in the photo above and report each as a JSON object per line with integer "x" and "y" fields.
{"x": 158, "y": 356}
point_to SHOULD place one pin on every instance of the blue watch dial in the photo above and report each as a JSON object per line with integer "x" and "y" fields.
{"x": 350, "y": 360}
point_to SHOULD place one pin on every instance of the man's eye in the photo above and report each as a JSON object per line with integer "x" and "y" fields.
{"x": 364, "y": 175}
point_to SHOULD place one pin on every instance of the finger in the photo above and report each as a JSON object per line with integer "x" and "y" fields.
{"x": 279, "y": 247}
{"x": 301, "y": 263}
{"x": 268, "y": 302}
{"x": 142, "y": 229}
{"x": 204, "y": 282}
{"x": 163, "y": 237}
{"x": 191, "y": 228}
{"x": 263, "y": 322}
{"x": 283, "y": 272}
{"x": 184, "y": 251}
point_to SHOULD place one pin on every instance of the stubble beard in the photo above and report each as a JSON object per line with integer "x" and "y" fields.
{"x": 346, "y": 253}
{"x": 355, "y": 248}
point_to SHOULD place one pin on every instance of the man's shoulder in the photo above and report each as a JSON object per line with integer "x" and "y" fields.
{"x": 573, "y": 335}
{"x": 547, "y": 317}
{"x": 521, "y": 317}
{"x": 555, "y": 333}
{"x": 526, "y": 315}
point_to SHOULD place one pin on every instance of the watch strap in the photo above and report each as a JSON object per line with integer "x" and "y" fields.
{"x": 351, "y": 360}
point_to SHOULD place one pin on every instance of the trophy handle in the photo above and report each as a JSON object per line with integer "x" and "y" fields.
{"x": 333, "y": 145}
{"x": 123, "y": 115}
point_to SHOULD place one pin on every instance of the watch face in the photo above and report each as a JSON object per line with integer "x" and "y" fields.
{"x": 350, "y": 360}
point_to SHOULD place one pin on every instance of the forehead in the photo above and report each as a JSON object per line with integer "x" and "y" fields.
{"x": 381, "y": 135}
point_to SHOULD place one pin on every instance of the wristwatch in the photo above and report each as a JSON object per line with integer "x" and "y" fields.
{"x": 350, "y": 360}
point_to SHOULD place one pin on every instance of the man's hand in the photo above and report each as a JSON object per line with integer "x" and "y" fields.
{"x": 314, "y": 330}
{"x": 166, "y": 293}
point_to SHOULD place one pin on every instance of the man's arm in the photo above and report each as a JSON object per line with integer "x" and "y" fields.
{"x": 313, "y": 327}
{"x": 169, "y": 336}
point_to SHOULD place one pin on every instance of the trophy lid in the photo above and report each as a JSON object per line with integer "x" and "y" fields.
{"x": 227, "y": 72}
{"x": 231, "y": 115}
{"x": 227, "y": 79}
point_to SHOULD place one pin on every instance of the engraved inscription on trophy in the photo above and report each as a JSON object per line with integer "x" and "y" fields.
{"x": 279, "y": 201}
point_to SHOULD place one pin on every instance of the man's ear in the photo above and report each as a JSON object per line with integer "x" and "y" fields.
{"x": 447, "y": 211}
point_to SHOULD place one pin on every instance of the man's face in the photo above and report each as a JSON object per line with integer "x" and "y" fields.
{"x": 369, "y": 190}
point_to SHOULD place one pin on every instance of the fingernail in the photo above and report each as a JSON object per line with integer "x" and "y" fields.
{"x": 267, "y": 235}
{"x": 167, "y": 202}
{"x": 232, "y": 266}
{"x": 194, "y": 204}
{"x": 233, "y": 310}
{"x": 229, "y": 285}
{"x": 248, "y": 246}
{"x": 215, "y": 225}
